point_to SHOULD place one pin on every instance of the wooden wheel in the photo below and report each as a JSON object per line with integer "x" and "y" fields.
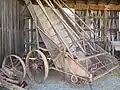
{"x": 14, "y": 66}
{"x": 74, "y": 79}
{"x": 37, "y": 66}
{"x": 77, "y": 80}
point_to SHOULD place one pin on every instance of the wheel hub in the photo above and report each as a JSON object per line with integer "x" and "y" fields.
{"x": 34, "y": 66}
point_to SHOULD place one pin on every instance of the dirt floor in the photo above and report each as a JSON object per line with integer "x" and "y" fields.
{"x": 55, "y": 82}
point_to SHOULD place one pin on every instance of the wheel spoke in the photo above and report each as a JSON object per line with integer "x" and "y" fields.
{"x": 39, "y": 69}
{"x": 18, "y": 70}
{"x": 39, "y": 61}
{"x": 30, "y": 65}
{"x": 11, "y": 61}
{"x": 39, "y": 57}
{"x": 7, "y": 66}
{"x": 17, "y": 64}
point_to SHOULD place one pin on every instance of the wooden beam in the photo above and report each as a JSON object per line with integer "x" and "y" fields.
{"x": 79, "y": 6}
{"x": 105, "y": 26}
{"x": 11, "y": 86}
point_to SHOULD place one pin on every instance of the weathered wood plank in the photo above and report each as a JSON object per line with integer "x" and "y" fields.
{"x": 9, "y": 24}
{"x": 11, "y": 86}
{"x": 79, "y": 6}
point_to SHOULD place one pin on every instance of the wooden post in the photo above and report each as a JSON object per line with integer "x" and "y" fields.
{"x": 105, "y": 18}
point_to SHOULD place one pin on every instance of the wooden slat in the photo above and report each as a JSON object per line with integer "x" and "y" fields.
{"x": 9, "y": 36}
{"x": 79, "y": 6}
{"x": 93, "y": 1}
{"x": 11, "y": 86}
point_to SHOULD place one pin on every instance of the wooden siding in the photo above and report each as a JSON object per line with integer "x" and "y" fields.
{"x": 11, "y": 33}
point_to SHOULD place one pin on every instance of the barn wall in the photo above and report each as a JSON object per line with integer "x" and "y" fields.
{"x": 11, "y": 32}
